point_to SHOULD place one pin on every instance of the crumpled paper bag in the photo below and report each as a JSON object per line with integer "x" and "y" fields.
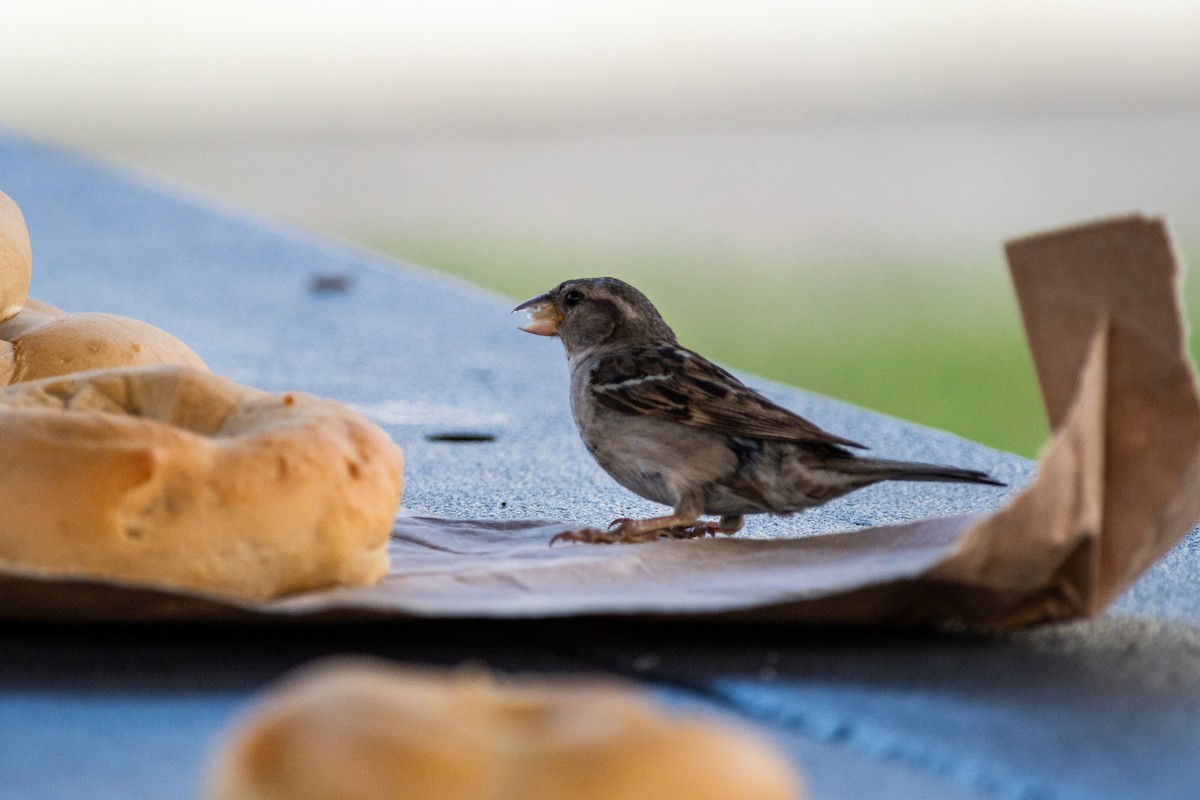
{"x": 1117, "y": 486}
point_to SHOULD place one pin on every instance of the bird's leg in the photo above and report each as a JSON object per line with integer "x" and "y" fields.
{"x": 679, "y": 525}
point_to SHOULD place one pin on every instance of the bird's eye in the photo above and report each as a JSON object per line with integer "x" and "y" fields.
{"x": 572, "y": 298}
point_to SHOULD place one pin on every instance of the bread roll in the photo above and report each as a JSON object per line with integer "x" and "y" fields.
{"x": 16, "y": 258}
{"x": 171, "y": 476}
{"x": 42, "y": 342}
{"x": 365, "y": 730}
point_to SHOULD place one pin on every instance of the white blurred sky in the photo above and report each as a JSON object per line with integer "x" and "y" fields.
{"x": 128, "y": 72}
{"x": 820, "y": 133}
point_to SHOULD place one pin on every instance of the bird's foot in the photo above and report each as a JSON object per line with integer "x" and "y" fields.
{"x": 696, "y": 531}
{"x": 630, "y": 531}
{"x": 647, "y": 530}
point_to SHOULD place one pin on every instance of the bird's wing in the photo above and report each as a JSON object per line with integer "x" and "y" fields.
{"x": 673, "y": 384}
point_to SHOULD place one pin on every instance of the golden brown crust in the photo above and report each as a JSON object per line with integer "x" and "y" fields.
{"x": 16, "y": 258}
{"x": 42, "y": 342}
{"x": 365, "y": 730}
{"x": 172, "y": 476}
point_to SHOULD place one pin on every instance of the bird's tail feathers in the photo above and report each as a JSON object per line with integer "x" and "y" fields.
{"x": 887, "y": 470}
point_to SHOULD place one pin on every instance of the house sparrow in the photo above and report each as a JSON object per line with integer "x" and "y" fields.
{"x": 673, "y": 427}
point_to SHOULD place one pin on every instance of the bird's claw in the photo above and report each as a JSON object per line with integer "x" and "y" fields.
{"x": 697, "y": 531}
{"x": 627, "y": 531}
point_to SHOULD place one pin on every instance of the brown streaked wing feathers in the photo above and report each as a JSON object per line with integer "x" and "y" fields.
{"x": 674, "y": 384}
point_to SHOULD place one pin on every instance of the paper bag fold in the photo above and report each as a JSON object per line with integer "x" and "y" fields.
{"x": 1122, "y": 271}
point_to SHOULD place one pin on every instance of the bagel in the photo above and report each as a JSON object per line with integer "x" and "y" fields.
{"x": 16, "y": 258}
{"x": 371, "y": 731}
{"x": 171, "y": 476}
{"x": 43, "y": 342}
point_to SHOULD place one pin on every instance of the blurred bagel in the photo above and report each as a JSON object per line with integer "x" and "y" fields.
{"x": 353, "y": 728}
{"x": 42, "y": 341}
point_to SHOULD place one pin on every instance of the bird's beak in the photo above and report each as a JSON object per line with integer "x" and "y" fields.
{"x": 544, "y": 315}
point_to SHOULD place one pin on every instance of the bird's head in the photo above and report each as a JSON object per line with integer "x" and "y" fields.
{"x": 595, "y": 312}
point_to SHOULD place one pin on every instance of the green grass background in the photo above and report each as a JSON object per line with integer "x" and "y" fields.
{"x": 937, "y": 343}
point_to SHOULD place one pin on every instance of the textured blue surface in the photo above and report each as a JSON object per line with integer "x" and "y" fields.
{"x": 1104, "y": 709}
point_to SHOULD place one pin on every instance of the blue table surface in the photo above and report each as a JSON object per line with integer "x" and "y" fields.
{"x": 1108, "y": 708}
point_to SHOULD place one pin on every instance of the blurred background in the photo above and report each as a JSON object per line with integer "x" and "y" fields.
{"x": 816, "y": 192}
